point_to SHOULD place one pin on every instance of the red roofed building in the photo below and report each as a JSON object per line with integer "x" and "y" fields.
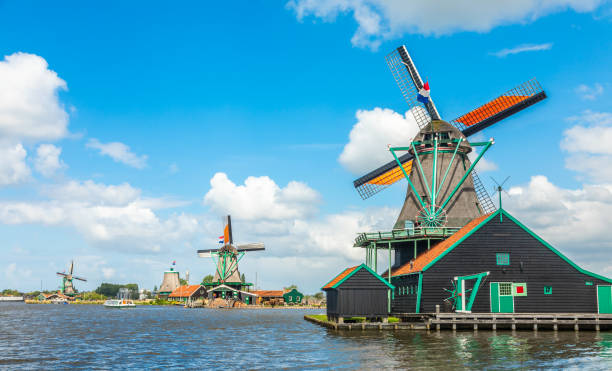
{"x": 187, "y": 293}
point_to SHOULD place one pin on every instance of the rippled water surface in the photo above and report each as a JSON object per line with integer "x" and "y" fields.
{"x": 87, "y": 336}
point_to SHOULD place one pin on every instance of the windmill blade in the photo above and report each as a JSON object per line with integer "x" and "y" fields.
{"x": 379, "y": 179}
{"x": 206, "y": 253}
{"x": 71, "y": 266}
{"x": 79, "y": 278}
{"x": 257, "y": 246}
{"x": 61, "y": 274}
{"x": 506, "y": 105}
{"x": 409, "y": 81}
{"x": 483, "y": 196}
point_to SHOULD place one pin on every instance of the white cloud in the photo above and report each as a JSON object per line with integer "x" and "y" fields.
{"x": 119, "y": 152}
{"x": 588, "y": 143}
{"x": 379, "y": 20}
{"x": 260, "y": 198}
{"x": 589, "y": 92}
{"x": 370, "y": 136}
{"x": 13, "y": 168}
{"x": 29, "y": 103}
{"x": 47, "y": 161}
{"x": 111, "y": 216}
{"x": 574, "y": 220}
{"x": 522, "y": 49}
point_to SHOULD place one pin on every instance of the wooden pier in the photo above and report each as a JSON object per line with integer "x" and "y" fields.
{"x": 480, "y": 321}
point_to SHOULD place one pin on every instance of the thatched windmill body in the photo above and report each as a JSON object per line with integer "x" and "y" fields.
{"x": 67, "y": 287}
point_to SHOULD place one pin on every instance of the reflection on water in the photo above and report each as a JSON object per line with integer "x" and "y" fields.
{"x": 61, "y": 336}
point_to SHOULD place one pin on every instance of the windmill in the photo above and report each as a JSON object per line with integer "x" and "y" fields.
{"x": 67, "y": 287}
{"x": 227, "y": 279}
{"x": 443, "y": 188}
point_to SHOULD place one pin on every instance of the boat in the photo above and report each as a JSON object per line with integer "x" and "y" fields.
{"x": 119, "y": 303}
{"x": 122, "y": 302}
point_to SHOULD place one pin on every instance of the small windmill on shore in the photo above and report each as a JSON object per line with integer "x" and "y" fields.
{"x": 443, "y": 185}
{"x": 67, "y": 287}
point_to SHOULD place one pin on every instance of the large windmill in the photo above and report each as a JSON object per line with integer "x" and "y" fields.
{"x": 444, "y": 192}
{"x": 438, "y": 192}
{"x": 67, "y": 287}
{"x": 227, "y": 280}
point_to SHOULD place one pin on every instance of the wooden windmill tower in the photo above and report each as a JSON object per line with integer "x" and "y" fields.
{"x": 227, "y": 279}
{"x": 67, "y": 287}
{"x": 444, "y": 192}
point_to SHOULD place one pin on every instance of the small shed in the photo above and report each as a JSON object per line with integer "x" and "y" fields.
{"x": 187, "y": 293}
{"x": 293, "y": 297}
{"x": 358, "y": 292}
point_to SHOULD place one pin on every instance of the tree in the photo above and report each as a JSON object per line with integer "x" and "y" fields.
{"x": 291, "y": 287}
{"x": 110, "y": 290}
{"x": 243, "y": 278}
{"x": 155, "y": 289}
{"x": 208, "y": 279}
{"x": 318, "y": 295}
{"x": 183, "y": 282}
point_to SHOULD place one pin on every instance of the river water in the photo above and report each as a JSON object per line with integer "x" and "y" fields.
{"x": 94, "y": 337}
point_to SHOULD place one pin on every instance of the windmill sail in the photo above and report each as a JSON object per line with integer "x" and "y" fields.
{"x": 507, "y": 104}
{"x": 410, "y": 83}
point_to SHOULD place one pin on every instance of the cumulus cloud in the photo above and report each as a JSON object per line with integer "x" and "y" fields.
{"x": 260, "y": 198}
{"x": 522, "y": 49}
{"x": 574, "y": 220}
{"x": 13, "y": 168}
{"x": 378, "y": 20}
{"x": 374, "y": 131}
{"x": 47, "y": 161}
{"x": 110, "y": 216}
{"x": 29, "y": 102}
{"x": 587, "y": 142}
{"x": 119, "y": 152}
{"x": 587, "y": 92}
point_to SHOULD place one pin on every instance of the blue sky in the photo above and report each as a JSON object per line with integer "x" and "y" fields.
{"x": 174, "y": 94}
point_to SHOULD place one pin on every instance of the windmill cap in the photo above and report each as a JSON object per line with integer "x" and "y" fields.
{"x": 440, "y": 126}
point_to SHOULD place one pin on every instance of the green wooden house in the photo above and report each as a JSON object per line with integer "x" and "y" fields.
{"x": 293, "y": 297}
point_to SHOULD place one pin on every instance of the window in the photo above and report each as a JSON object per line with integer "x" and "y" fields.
{"x": 502, "y": 259}
{"x": 547, "y": 290}
{"x": 505, "y": 288}
{"x": 589, "y": 283}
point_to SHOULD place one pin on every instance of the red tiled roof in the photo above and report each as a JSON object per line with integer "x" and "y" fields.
{"x": 339, "y": 277}
{"x": 428, "y": 256}
{"x": 268, "y": 293}
{"x": 184, "y": 291}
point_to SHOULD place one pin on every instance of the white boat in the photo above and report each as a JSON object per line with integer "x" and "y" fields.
{"x": 119, "y": 303}
{"x": 122, "y": 302}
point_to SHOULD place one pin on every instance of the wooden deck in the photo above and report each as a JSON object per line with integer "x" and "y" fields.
{"x": 481, "y": 321}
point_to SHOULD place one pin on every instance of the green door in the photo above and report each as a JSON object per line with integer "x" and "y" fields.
{"x": 604, "y": 299}
{"x": 502, "y": 300}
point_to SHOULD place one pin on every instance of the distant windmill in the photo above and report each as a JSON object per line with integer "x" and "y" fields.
{"x": 67, "y": 287}
{"x": 227, "y": 282}
{"x": 228, "y": 256}
{"x": 444, "y": 188}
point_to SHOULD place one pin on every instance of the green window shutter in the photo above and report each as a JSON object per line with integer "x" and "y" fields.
{"x": 502, "y": 259}
{"x": 547, "y": 290}
{"x": 589, "y": 283}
